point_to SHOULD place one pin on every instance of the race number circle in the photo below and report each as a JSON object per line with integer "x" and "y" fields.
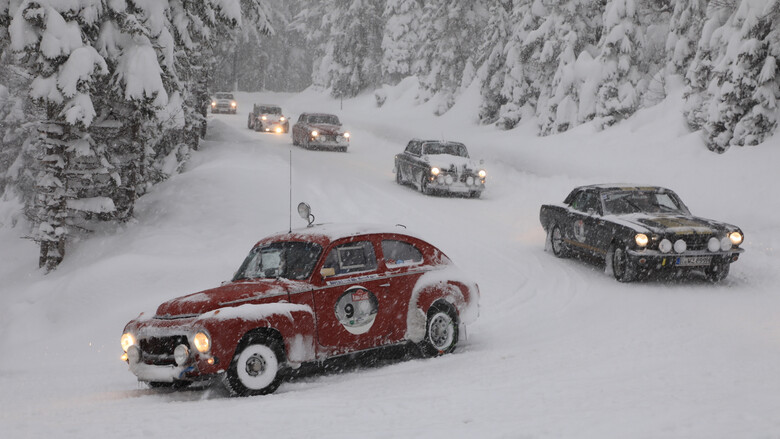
{"x": 579, "y": 230}
{"x": 356, "y": 309}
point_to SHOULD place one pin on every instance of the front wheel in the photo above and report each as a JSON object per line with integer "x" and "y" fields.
{"x": 441, "y": 331}
{"x": 255, "y": 367}
{"x": 622, "y": 267}
{"x": 555, "y": 236}
{"x": 717, "y": 273}
{"x": 424, "y": 187}
{"x": 249, "y": 123}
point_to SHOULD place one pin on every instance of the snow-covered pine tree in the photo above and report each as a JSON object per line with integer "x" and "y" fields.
{"x": 700, "y": 71}
{"x": 50, "y": 37}
{"x": 450, "y": 35}
{"x": 492, "y": 72}
{"x": 575, "y": 30}
{"x": 400, "y": 39}
{"x": 742, "y": 109}
{"x": 352, "y": 58}
{"x": 684, "y": 32}
{"x": 517, "y": 90}
{"x": 620, "y": 54}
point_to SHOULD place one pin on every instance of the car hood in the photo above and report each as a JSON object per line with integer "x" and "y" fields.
{"x": 231, "y": 294}
{"x": 446, "y": 161}
{"x": 674, "y": 224}
{"x": 326, "y": 128}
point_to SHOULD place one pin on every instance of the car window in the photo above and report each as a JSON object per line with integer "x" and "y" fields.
{"x": 400, "y": 253}
{"x": 289, "y": 260}
{"x": 324, "y": 118}
{"x": 414, "y": 148}
{"x": 353, "y": 257}
{"x": 270, "y": 110}
{"x": 619, "y": 203}
{"x": 456, "y": 149}
{"x": 586, "y": 201}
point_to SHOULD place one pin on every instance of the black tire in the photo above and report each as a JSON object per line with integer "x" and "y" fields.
{"x": 475, "y": 194}
{"x": 717, "y": 273}
{"x": 398, "y": 178}
{"x": 441, "y": 331}
{"x": 558, "y": 246}
{"x": 249, "y": 122}
{"x": 424, "y": 188}
{"x": 256, "y": 366}
{"x": 622, "y": 268}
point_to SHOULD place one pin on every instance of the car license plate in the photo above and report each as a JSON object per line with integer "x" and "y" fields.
{"x": 693, "y": 261}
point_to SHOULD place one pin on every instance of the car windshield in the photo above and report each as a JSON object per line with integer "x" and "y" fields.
{"x": 289, "y": 260}
{"x": 457, "y": 149}
{"x": 270, "y": 110}
{"x": 324, "y": 118}
{"x": 624, "y": 202}
{"x": 224, "y": 96}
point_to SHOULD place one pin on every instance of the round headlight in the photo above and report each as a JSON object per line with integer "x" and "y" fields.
{"x": 725, "y": 244}
{"x": 133, "y": 354}
{"x": 482, "y": 173}
{"x": 440, "y": 178}
{"x": 736, "y": 238}
{"x": 181, "y": 354}
{"x": 713, "y": 244}
{"x": 232, "y": 104}
{"x": 278, "y": 129}
{"x": 641, "y": 239}
{"x": 213, "y": 103}
{"x": 202, "y": 342}
{"x": 680, "y": 246}
{"x": 315, "y": 133}
{"x": 282, "y": 118}
{"x": 469, "y": 180}
{"x": 127, "y": 340}
{"x": 435, "y": 170}
{"x": 346, "y": 135}
{"x": 448, "y": 179}
{"x": 665, "y": 246}
{"x": 264, "y": 117}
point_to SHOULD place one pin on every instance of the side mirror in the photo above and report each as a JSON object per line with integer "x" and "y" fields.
{"x": 305, "y": 212}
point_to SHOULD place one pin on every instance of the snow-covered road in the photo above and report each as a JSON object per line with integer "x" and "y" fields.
{"x": 560, "y": 349}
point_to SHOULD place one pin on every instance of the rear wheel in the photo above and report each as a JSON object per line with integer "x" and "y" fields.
{"x": 255, "y": 367}
{"x": 622, "y": 267}
{"x": 559, "y": 247}
{"x": 249, "y": 123}
{"x": 441, "y": 331}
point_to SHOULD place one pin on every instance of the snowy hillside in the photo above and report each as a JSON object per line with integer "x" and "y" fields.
{"x": 560, "y": 348}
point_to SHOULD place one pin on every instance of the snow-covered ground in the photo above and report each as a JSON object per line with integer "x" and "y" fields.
{"x": 560, "y": 348}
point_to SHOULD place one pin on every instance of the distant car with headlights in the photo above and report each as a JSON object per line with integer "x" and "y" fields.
{"x": 267, "y": 118}
{"x": 300, "y": 297}
{"x": 639, "y": 230}
{"x": 320, "y": 131}
{"x": 224, "y": 103}
{"x": 439, "y": 166}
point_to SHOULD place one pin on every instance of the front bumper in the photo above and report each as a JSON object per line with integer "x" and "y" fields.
{"x": 457, "y": 184}
{"x": 648, "y": 260}
{"x": 329, "y": 142}
{"x": 161, "y": 374}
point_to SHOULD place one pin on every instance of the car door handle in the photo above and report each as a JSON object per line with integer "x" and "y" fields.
{"x": 385, "y": 285}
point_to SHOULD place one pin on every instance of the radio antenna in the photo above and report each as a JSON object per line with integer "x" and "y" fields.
{"x": 290, "y": 211}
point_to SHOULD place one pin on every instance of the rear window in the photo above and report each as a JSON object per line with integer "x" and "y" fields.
{"x": 400, "y": 253}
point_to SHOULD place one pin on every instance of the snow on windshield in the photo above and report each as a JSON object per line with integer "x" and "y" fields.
{"x": 289, "y": 260}
{"x": 456, "y": 149}
{"x": 619, "y": 203}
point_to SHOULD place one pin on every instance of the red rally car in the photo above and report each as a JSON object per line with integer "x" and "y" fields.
{"x": 303, "y": 296}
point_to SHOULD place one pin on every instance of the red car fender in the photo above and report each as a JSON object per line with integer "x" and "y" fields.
{"x": 463, "y": 297}
{"x": 293, "y": 323}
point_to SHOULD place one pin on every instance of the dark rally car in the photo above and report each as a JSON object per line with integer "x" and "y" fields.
{"x": 638, "y": 231}
{"x": 439, "y": 166}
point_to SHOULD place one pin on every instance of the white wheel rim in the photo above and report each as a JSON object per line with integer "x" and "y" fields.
{"x": 441, "y": 331}
{"x": 557, "y": 240}
{"x": 257, "y": 366}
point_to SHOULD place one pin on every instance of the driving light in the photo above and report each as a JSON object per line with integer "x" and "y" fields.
{"x": 282, "y": 118}
{"x": 181, "y": 354}
{"x": 725, "y": 244}
{"x": 278, "y": 129}
{"x": 435, "y": 170}
{"x": 233, "y": 104}
{"x": 346, "y": 135}
{"x": 264, "y": 117}
{"x": 213, "y": 103}
{"x": 469, "y": 180}
{"x": 665, "y": 246}
{"x": 736, "y": 238}
{"x": 482, "y": 173}
{"x": 641, "y": 239}
{"x": 315, "y": 133}
{"x": 127, "y": 340}
{"x": 680, "y": 246}
{"x": 713, "y": 244}
{"x": 202, "y": 342}
{"x": 133, "y": 354}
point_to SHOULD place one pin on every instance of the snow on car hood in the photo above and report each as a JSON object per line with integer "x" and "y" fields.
{"x": 446, "y": 161}
{"x": 326, "y": 128}
{"x": 232, "y": 294}
{"x": 670, "y": 223}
